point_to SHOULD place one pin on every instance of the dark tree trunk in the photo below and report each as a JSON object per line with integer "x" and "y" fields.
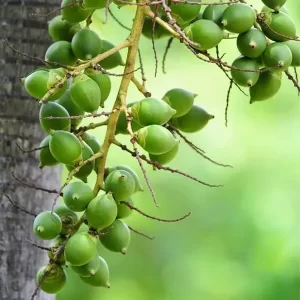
{"x": 19, "y": 261}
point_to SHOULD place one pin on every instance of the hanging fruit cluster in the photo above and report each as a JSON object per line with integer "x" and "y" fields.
{"x": 75, "y": 83}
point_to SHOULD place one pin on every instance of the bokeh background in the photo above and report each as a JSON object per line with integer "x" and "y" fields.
{"x": 242, "y": 240}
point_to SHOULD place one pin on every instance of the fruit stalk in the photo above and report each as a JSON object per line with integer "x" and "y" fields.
{"x": 133, "y": 41}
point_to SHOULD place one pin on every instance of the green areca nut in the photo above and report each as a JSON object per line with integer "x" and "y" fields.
{"x": 70, "y": 106}
{"x": 181, "y": 100}
{"x": 85, "y": 93}
{"x": 74, "y": 12}
{"x": 77, "y": 196}
{"x": 88, "y": 168}
{"x": 267, "y": 86}
{"x": 117, "y": 238}
{"x": 205, "y": 33}
{"x": 277, "y": 56}
{"x": 238, "y": 17}
{"x": 152, "y": 111}
{"x": 65, "y": 147}
{"x": 196, "y": 119}
{"x": 245, "y": 78}
{"x": 113, "y": 60}
{"x": 156, "y": 139}
{"x": 51, "y": 278}
{"x": 252, "y": 43}
{"x": 62, "y": 30}
{"x": 101, "y": 278}
{"x": 88, "y": 269}
{"x": 80, "y": 249}
{"x": 61, "y": 52}
{"x": 45, "y": 156}
{"x": 52, "y": 109}
{"x": 165, "y": 158}
{"x": 86, "y": 44}
{"x": 47, "y": 225}
{"x": 101, "y": 212}
{"x": 121, "y": 184}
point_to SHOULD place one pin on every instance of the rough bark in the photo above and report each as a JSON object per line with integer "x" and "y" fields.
{"x": 19, "y": 261}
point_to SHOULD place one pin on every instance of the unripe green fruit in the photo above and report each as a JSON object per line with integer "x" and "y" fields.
{"x": 204, "y": 32}
{"x": 85, "y": 93}
{"x": 95, "y": 4}
{"x": 118, "y": 237}
{"x": 267, "y": 86}
{"x": 252, "y": 43}
{"x": 113, "y": 60}
{"x": 122, "y": 122}
{"x": 294, "y": 46}
{"x": 119, "y": 4}
{"x": 245, "y": 78}
{"x": 152, "y": 111}
{"x": 274, "y": 4}
{"x": 159, "y": 31}
{"x": 121, "y": 184}
{"x": 278, "y": 25}
{"x": 52, "y": 109}
{"x": 156, "y": 139}
{"x": 45, "y": 156}
{"x": 184, "y": 13}
{"x": 277, "y": 56}
{"x": 123, "y": 210}
{"x": 196, "y": 119}
{"x": 103, "y": 82}
{"x": 80, "y": 249}
{"x": 88, "y": 269}
{"x": 75, "y": 12}
{"x": 68, "y": 218}
{"x": 72, "y": 109}
{"x": 86, "y": 44}
{"x": 55, "y": 78}
{"x": 65, "y": 147}
{"x": 77, "y": 196}
{"x": 101, "y": 212}
{"x": 54, "y": 280}
{"x": 38, "y": 83}
{"x": 87, "y": 169}
{"x": 238, "y": 17}
{"x": 267, "y": 9}
{"x": 101, "y": 278}
{"x": 61, "y": 53}
{"x": 138, "y": 185}
{"x": 94, "y": 145}
{"x": 47, "y": 225}
{"x": 62, "y": 30}
{"x": 214, "y": 13}
{"x": 165, "y": 158}
{"x": 181, "y": 100}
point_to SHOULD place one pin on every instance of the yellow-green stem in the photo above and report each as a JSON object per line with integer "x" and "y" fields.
{"x": 133, "y": 40}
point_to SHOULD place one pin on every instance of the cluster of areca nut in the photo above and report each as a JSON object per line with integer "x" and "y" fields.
{"x": 75, "y": 83}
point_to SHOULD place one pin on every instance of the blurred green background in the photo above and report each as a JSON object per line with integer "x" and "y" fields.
{"x": 242, "y": 240}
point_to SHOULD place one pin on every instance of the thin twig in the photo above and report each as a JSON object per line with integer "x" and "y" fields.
{"x": 168, "y": 47}
{"x": 38, "y": 246}
{"x": 227, "y": 101}
{"x": 155, "y": 218}
{"x": 117, "y": 20}
{"x": 160, "y": 167}
{"x": 32, "y": 186}
{"x": 141, "y": 233}
{"x": 102, "y": 70}
{"x": 196, "y": 148}
{"x": 142, "y": 67}
{"x": 20, "y": 207}
{"x": 92, "y": 115}
{"x": 294, "y": 80}
{"x": 153, "y": 40}
{"x": 31, "y": 150}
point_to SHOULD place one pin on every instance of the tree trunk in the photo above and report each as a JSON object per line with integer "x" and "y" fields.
{"x": 19, "y": 123}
